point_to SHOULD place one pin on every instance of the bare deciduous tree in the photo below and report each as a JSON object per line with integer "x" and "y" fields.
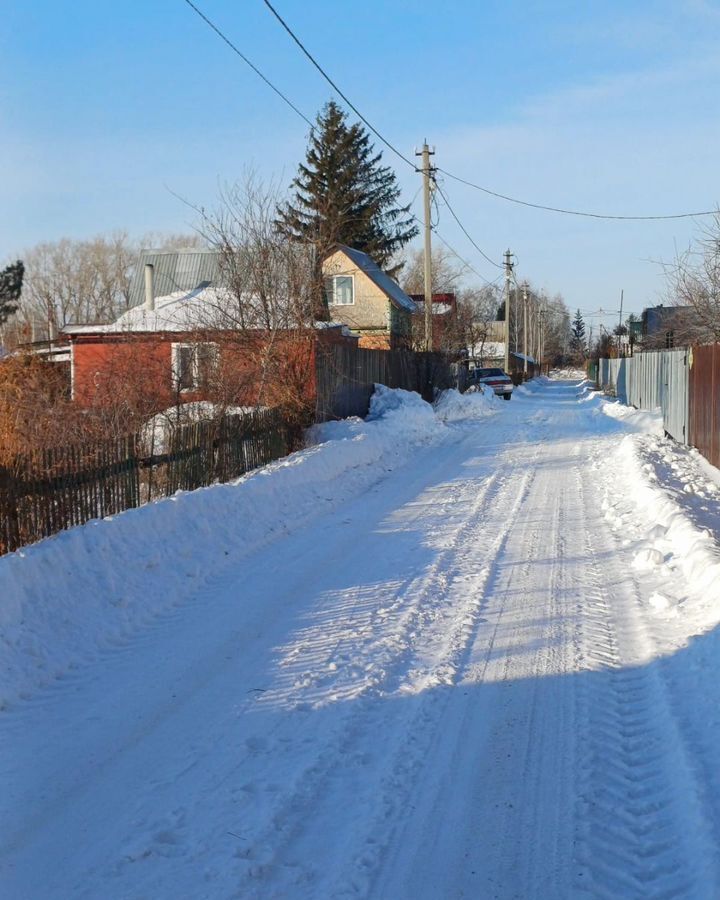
{"x": 447, "y": 272}
{"x": 262, "y": 312}
{"x": 82, "y": 281}
{"x": 477, "y": 310}
{"x": 694, "y": 283}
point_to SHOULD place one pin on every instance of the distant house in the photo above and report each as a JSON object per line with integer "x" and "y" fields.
{"x": 444, "y": 320}
{"x": 666, "y": 327}
{"x": 489, "y": 347}
{"x": 363, "y": 297}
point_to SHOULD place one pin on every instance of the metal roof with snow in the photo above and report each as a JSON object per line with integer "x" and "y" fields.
{"x": 204, "y": 308}
{"x": 173, "y": 271}
{"x": 367, "y": 264}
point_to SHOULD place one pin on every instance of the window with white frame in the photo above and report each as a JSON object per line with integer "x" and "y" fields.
{"x": 193, "y": 365}
{"x": 340, "y": 290}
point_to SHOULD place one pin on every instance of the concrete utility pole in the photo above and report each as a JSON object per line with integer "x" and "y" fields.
{"x": 508, "y": 276}
{"x": 622, "y": 294}
{"x": 525, "y": 335}
{"x": 426, "y": 170}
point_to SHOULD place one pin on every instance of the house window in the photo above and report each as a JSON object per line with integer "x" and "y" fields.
{"x": 669, "y": 340}
{"x": 193, "y": 365}
{"x": 340, "y": 290}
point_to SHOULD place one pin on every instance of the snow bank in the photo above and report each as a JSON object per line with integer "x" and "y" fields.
{"x": 675, "y": 502}
{"x": 530, "y": 387}
{"x": 650, "y": 421}
{"x": 452, "y": 406}
{"x": 69, "y": 596}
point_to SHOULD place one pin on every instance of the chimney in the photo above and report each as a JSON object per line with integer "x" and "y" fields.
{"x": 149, "y": 291}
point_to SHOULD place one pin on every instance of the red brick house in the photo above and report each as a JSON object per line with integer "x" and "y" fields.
{"x": 172, "y": 350}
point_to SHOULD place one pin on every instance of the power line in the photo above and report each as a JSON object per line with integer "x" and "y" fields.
{"x": 462, "y": 227}
{"x": 461, "y": 258}
{"x": 247, "y": 61}
{"x": 332, "y": 83}
{"x": 567, "y": 212}
{"x": 479, "y": 187}
{"x": 573, "y": 212}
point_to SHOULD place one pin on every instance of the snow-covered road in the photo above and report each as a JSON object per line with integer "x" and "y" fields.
{"x": 473, "y": 680}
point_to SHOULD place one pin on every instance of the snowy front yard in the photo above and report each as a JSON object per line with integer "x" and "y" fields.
{"x": 469, "y": 652}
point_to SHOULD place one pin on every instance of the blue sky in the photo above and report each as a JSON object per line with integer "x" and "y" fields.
{"x": 107, "y": 110}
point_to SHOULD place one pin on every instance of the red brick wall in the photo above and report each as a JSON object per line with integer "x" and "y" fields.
{"x": 140, "y": 367}
{"x": 103, "y": 366}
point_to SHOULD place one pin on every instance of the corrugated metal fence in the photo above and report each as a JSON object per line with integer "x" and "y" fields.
{"x": 685, "y": 384}
{"x": 652, "y": 380}
{"x": 704, "y": 402}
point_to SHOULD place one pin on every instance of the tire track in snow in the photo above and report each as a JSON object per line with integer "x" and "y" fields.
{"x": 524, "y": 734}
{"x": 640, "y": 820}
{"x": 388, "y": 773}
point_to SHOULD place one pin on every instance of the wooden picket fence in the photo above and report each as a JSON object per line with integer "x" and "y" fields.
{"x": 58, "y": 488}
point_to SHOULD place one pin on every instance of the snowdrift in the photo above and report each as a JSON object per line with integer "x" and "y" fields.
{"x": 68, "y": 597}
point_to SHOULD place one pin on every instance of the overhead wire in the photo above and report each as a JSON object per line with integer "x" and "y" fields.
{"x": 409, "y": 162}
{"x": 573, "y": 212}
{"x": 334, "y": 85}
{"x": 462, "y": 259}
{"x": 463, "y": 228}
{"x": 555, "y": 209}
{"x": 244, "y": 58}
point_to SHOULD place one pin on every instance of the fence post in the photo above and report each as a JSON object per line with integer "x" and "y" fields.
{"x": 10, "y": 533}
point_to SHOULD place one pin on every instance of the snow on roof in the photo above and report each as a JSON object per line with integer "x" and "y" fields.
{"x": 522, "y": 357}
{"x": 184, "y": 311}
{"x": 183, "y": 269}
{"x": 386, "y": 284}
{"x": 487, "y": 350}
{"x": 179, "y": 311}
{"x": 439, "y": 309}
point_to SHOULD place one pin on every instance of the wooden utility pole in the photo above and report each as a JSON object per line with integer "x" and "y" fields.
{"x": 508, "y": 276}
{"x": 525, "y": 329}
{"x": 622, "y": 297}
{"x": 427, "y": 171}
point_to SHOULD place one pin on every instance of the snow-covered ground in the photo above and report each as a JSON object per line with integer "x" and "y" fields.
{"x": 463, "y": 652}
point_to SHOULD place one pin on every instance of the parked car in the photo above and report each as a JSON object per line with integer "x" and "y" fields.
{"x": 497, "y": 379}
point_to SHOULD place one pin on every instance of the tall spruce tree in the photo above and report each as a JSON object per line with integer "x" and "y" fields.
{"x": 578, "y": 342}
{"x": 11, "y": 279}
{"x": 342, "y": 194}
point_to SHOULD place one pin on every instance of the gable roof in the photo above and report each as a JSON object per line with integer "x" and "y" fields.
{"x": 367, "y": 264}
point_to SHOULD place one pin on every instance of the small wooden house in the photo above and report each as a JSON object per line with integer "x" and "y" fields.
{"x": 363, "y": 297}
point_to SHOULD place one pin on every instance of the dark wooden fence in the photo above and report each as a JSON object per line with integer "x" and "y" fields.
{"x": 58, "y": 488}
{"x": 345, "y": 377}
{"x": 704, "y": 401}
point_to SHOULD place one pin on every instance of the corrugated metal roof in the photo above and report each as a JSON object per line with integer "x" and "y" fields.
{"x": 174, "y": 270}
